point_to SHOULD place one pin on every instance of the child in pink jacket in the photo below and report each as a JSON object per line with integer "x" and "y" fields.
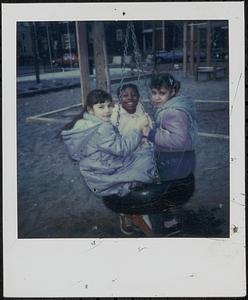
{"x": 174, "y": 136}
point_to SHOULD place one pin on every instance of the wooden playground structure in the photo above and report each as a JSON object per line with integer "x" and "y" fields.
{"x": 191, "y": 45}
{"x": 191, "y": 53}
{"x": 192, "y": 64}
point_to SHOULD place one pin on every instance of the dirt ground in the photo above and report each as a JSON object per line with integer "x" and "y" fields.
{"x": 54, "y": 202}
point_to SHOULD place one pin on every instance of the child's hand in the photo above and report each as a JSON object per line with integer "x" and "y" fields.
{"x": 146, "y": 130}
{"x": 142, "y": 122}
{"x": 150, "y": 121}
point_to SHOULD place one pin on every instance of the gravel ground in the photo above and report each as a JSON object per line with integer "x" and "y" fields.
{"x": 54, "y": 202}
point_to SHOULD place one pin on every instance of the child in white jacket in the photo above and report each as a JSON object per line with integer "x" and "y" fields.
{"x": 107, "y": 160}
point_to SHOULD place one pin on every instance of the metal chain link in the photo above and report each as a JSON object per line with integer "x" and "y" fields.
{"x": 137, "y": 55}
{"x": 140, "y": 68}
{"x": 122, "y": 72}
{"x": 138, "y": 60}
{"x": 125, "y": 53}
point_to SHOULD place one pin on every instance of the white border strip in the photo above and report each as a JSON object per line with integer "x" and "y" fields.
{"x": 101, "y": 267}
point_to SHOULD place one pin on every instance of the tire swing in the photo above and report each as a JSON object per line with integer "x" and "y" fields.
{"x": 156, "y": 197}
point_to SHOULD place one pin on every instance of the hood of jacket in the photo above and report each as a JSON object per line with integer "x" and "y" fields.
{"x": 77, "y": 138}
{"x": 186, "y": 105}
{"x": 182, "y": 103}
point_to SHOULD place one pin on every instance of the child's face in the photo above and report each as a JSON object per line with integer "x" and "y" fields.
{"x": 161, "y": 96}
{"x": 129, "y": 100}
{"x": 103, "y": 111}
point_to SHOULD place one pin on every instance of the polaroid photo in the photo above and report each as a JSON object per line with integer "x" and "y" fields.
{"x": 123, "y": 149}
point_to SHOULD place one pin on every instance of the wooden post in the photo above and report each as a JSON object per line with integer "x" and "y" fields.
{"x": 144, "y": 36}
{"x": 35, "y": 52}
{"x": 83, "y": 59}
{"x": 192, "y": 49}
{"x": 198, "y": 47}
{"x": 185, "y": 45}
{"x": 154, "y": 47}
{"x": 100, "y": 57}
{"x": 153, "y": 38}
{"x": 69, "y": 40}
{"x": 163, "y": 35}
{"x": 208, "y": 43}
{"x": 173, "y": 44}
{"x": 49, "y": 46}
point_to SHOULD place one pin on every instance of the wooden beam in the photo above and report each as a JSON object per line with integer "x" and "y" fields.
{"x": 192, "y": 50}
{"x": 198, "y": 54}
{"x": 214, "y": 135}
{"x": 214, "y": 24}
{"x": 163, "y": 35}
{"x": 35, "y": 49}
{"x": 185, "y": 46}
{"x": 153, "y": 38}
{"x": 51, "y": 112}
{"x": 45, "y": 120}
{"x": 100, "y": 56}
{"x": 144, "y": 36}
{"x": 209, "y": 40}
{"x": 83, "y": 59}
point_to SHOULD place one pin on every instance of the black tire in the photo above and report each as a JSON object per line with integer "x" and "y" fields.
{"x": 153, "y": 198}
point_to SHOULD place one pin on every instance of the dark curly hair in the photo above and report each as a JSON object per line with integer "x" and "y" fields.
{"x": 94, "y": 97}
{"x": 97, "y": 96}
{"x": 126, "y": 86}
{"x": 165, "y": 80}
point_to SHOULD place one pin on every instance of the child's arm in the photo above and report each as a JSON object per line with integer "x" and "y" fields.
{"x": 114, "y": 115}
{"x": 173, "y": 134}
{"x": 110, "y": 141}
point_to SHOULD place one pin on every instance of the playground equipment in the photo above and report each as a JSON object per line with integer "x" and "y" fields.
{"x": 191, "y": 49}
{"x": 155, "y": 198}
{"x": 159, "y": 196}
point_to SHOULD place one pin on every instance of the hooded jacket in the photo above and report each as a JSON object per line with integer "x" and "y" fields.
{"x": 175, "y": 138}
{"x": 107, "y": 160}
{"x": 127, "y": 120}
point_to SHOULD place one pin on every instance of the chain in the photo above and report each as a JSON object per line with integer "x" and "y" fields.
{"x": 139, "y": 66}
{"x": 138, "y": 59}
{"x": 122, "y": 72}
{"x": 125, "y": 53}
{"x": 137, "y": 55}
{"x": 140, "y": 69}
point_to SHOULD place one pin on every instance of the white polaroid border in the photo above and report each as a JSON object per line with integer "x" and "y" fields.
{"x": 164, "y": 267}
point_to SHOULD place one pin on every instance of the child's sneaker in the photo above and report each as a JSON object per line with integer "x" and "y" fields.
{"x": 171, "y": 227}
{"x": 143, "y": 223}
{"x": 170, "y": 223}
{"x": 126, "y": 225}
